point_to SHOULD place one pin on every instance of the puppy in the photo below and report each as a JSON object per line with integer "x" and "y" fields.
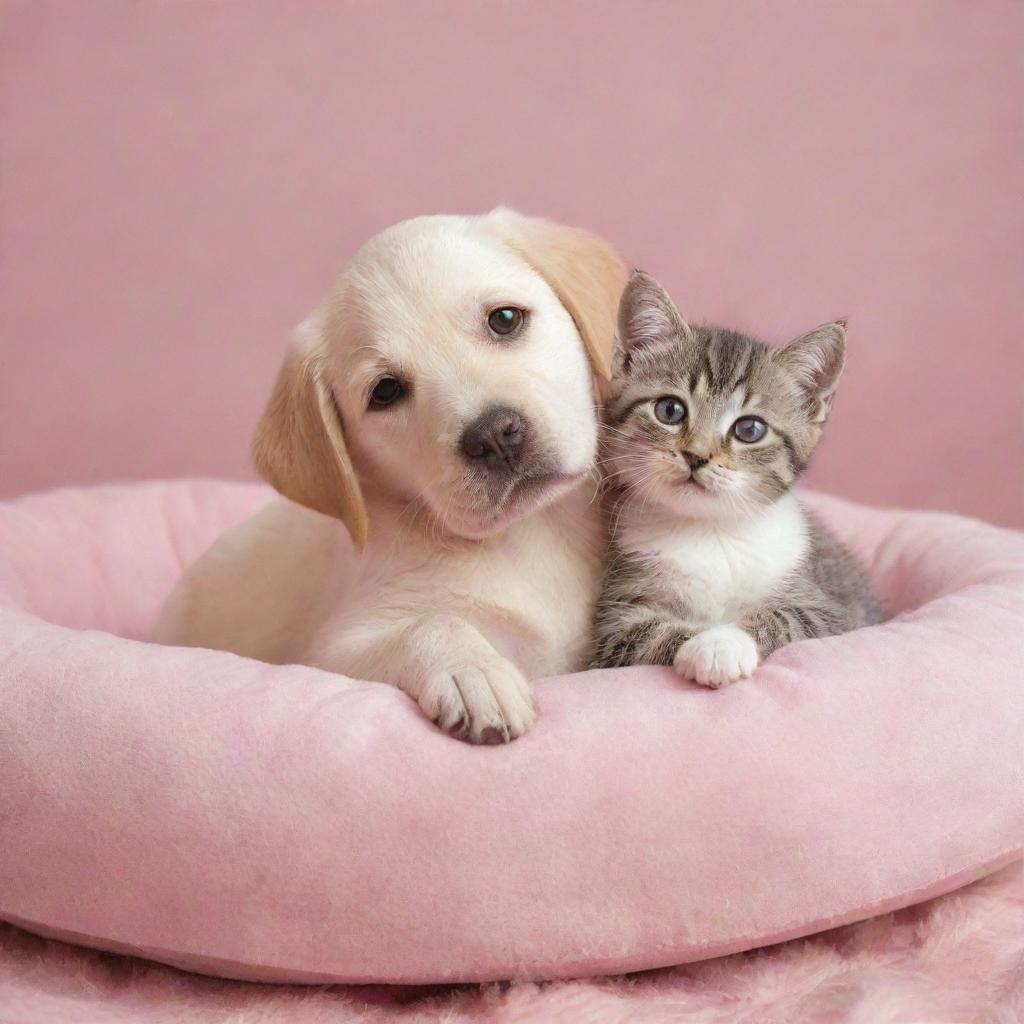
{"x": 440, "y": 403}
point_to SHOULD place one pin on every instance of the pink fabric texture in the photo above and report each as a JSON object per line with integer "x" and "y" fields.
{"x": 282, "y": 823}
{"x": 956, "y": 958}
{"x": 180, "y": 182}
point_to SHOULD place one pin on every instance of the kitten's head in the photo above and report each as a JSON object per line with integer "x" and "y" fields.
{"x": 708, "y": 422}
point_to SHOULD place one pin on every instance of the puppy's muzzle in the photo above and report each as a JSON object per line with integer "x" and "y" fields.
{"x": 497, "y": 440}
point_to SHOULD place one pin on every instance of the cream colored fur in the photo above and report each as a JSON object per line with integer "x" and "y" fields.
{"x": 450, "y": 598}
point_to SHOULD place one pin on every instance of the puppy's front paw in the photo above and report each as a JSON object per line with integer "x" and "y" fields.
{"x": 486, "y": 700}
{"x": 717, "y": 656}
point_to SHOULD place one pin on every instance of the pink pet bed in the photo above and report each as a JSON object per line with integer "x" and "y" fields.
{"x": 282, "y": 823}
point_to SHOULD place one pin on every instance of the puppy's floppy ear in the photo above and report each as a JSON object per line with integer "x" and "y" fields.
{"x": 299, "y": 444}
{"x": 584, "y": 271}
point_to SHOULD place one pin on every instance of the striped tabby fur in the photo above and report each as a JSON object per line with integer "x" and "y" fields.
{"x": 713, "y": 563}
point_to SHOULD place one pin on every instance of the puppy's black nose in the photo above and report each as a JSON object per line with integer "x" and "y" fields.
{"x": 495, "y": 438}
{"x": 694, "y": 461}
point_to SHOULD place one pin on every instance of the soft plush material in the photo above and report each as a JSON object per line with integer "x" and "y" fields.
{"x": 957, "y": 958}
{"x": 281, "y": 823}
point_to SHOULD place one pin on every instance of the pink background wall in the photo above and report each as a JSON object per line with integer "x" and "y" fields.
{"x": 180, "y": 181}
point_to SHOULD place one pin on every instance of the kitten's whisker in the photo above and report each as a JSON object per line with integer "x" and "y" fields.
{"x": 623, "y": 470}
{"x": 622, "y": 455}
{"x": 636, "y": 461}
{"x": 615, "y": 433}
{"x": 642, "y": 487}
{"x": 639, "y": 460}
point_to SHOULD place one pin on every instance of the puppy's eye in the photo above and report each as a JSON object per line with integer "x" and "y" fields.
{"x": 386, "y": 391}
{"x": 669, "y": 410}
{"x": 505, "y": 320}
{"x": 749, "y": 429}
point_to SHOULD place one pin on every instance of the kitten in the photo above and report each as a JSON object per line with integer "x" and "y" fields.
{"x": 713, "y": 563}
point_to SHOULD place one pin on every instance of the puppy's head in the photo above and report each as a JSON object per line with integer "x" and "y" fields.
{"x": 450, "y": 372}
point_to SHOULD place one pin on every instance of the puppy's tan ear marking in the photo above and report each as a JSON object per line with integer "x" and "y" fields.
{"x": 299, "y": 445}
{"x": 584, "y": 271}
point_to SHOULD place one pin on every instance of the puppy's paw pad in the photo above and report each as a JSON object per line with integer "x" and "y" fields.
{"x": 717, "y": 656}
{"x": 486, "y": 702}
{"x": 442, "y": 703}
{"x": 506, "y": 687}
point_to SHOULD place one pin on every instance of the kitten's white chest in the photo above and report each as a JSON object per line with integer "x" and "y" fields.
{"x": 720, "y": 570}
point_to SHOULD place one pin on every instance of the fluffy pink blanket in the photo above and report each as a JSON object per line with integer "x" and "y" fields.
{"x": 958, "y": 958}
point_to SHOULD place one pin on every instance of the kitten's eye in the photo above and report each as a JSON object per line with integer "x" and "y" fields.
{"x": 387, "y": 391}
{"x": 505, "y": 320}
{"x": 749, "y": 429}
{"x": 670, "y": 410}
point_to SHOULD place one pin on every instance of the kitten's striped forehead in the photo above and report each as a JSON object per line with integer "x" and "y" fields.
{"x": 712, "y": 365}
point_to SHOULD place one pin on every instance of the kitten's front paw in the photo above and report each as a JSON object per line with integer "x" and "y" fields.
{"x": 487, "y": 700}
{"x": 717, "y": 656}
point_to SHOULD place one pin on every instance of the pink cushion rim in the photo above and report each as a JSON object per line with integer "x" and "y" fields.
{"x": 589, "y": 967}
{"x": 999, "y": 585}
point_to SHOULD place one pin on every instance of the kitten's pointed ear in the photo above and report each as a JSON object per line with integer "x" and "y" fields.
{"x": 816, "y": 361}
{"x": 646, "y": 315}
